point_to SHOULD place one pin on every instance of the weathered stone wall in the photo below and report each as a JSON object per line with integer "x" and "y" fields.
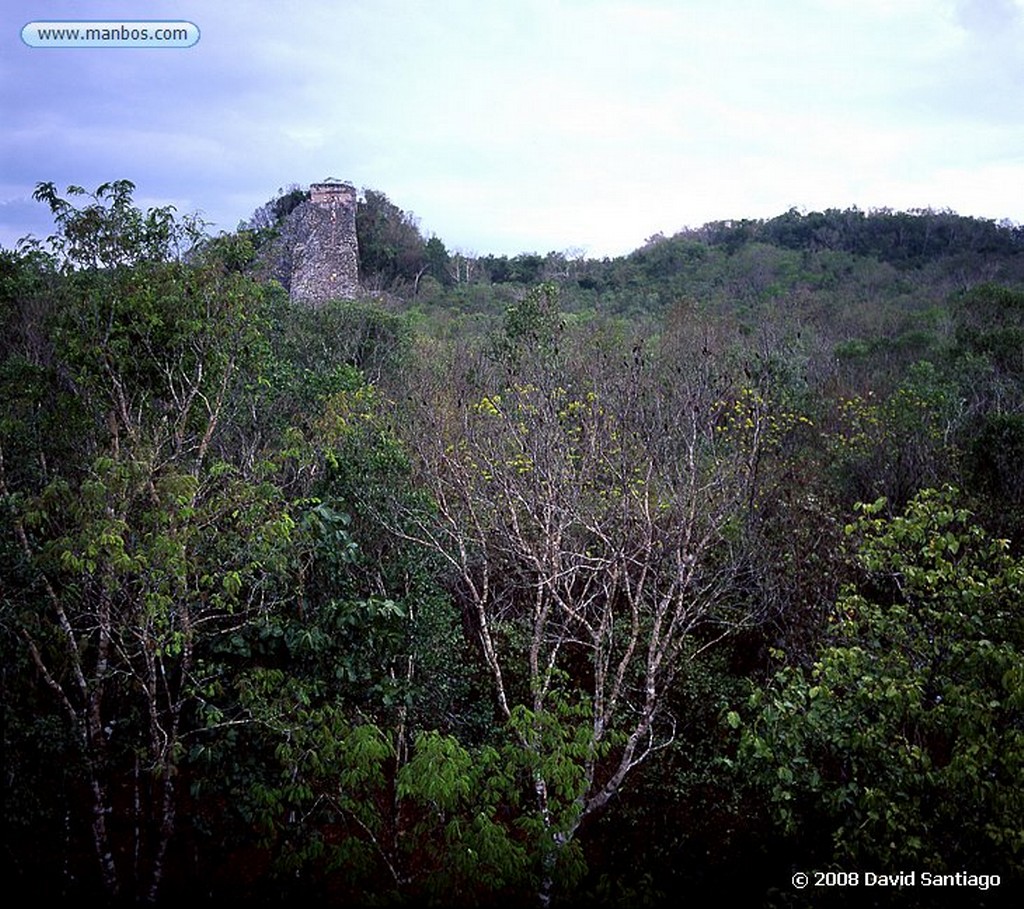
{"x": 325, "y": 256}
{"x": 316, "y": 255}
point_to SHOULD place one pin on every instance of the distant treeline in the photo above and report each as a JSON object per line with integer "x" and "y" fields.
{"x": 396, "y": 256}
{"x": 903, "y": 238}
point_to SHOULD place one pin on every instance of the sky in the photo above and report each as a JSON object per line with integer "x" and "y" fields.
{"x": 511, "y": 126}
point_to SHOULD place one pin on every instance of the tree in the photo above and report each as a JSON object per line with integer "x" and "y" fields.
{"x": 989, "y": 324}
{"x": 438, "y": 261}
{"x": 591, "y": 523}
{"x": 530, "y": 325}
{"x": 269, "y": 215}
{"x": 902, "y": 444}
{"x": 903, "y": 744}
{"x": 391, "y": 249}
{"x": 140, "y": 538}
{"x": 355, "y": 749}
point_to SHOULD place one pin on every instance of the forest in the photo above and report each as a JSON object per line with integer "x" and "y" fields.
{"x": 534, "y": 581}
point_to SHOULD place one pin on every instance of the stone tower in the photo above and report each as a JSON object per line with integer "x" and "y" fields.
{"x": 325, "y": 254}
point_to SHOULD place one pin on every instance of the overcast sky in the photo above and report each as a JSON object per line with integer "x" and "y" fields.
{"x": 509, "y": 126}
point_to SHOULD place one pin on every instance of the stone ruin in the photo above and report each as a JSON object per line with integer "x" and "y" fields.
{"x": 316, "y": 256}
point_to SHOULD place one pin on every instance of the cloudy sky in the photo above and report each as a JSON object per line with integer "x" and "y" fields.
{"x": 529, "y": 125}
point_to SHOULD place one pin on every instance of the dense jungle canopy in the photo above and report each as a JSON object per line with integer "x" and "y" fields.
{"x": 533, "y": 580}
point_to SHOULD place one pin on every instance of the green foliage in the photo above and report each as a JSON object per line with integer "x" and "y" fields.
{"x": 269, "y": 217}
{"x": 462, "y": 795}
{"x": 110, "y": 231}
{"x": 392, "y": 252}
{"x": 533, "y": 324}
{"x": 139, "y": 539}
{"x": 993, "y": 462}
{"x": 903, "y": 741}
{"x": 343, "y": 335}
{"x": 435, "y": 821}
{"x": 220, "y": 564}
{"x": 899, "y": 445}
{"x": 437, "y": 260}
{"x": 990, "y": 321}
{"x": 905, "y": 238}
{"x": 988, "y": 357}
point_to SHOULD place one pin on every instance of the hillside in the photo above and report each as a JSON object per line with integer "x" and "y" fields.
{"x": 513, "y": 581}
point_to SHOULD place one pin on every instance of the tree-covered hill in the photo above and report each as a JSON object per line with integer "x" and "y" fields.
{"x": 395, "y": 255}
{"x": 529, "y": 580}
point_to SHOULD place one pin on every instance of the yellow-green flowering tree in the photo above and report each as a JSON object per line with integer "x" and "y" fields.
{"x": 591, "y": 520}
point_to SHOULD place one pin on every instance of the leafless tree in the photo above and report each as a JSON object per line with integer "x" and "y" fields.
{"x": 589, "y": 518}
